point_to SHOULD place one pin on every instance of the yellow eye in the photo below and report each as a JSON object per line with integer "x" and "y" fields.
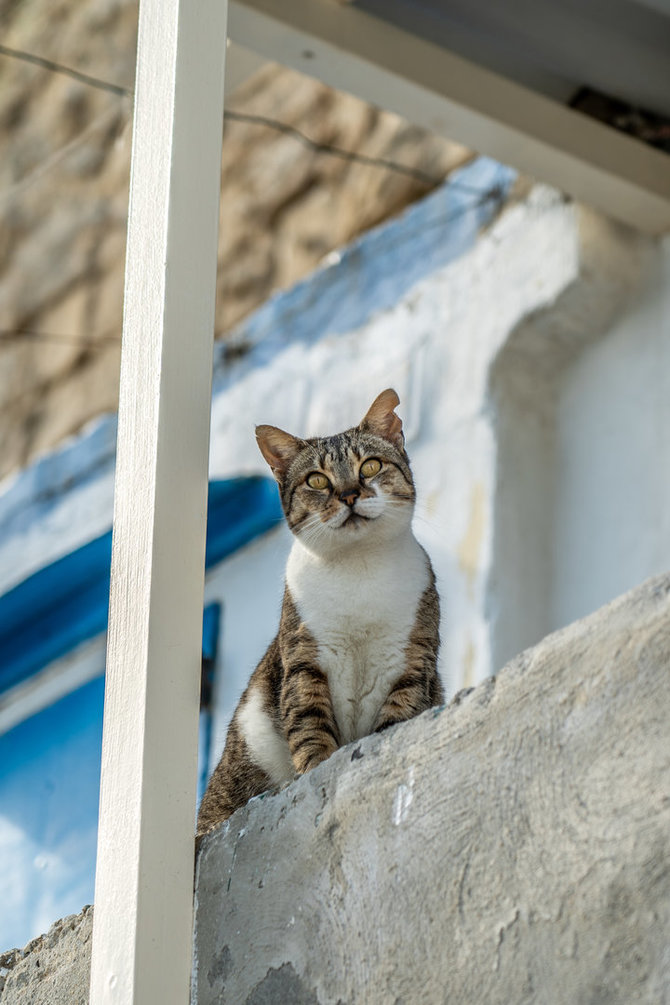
{"x": 371, "y": 467}
{"x": 317, "y": 481}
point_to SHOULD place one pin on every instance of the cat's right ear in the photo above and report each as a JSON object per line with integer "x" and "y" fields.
{"x": 278, "y": 448}
{"x": 381, "y": 419}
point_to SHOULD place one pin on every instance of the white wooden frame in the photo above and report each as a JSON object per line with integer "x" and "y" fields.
{"x": 144, "y": 882}
{"x": 441, "y": 91}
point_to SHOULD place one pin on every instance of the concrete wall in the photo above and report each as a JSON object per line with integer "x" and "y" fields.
{"x": 579, "y": 399}
{"x": 513, "y": 847}
{"x": 613, "y": 455}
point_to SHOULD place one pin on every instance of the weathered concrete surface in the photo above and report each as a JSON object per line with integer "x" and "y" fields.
{"x": 514, "y": 847}
{"x": 53, "y": 969}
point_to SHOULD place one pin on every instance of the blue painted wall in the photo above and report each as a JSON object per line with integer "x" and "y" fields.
{"x": 372, "y": 273}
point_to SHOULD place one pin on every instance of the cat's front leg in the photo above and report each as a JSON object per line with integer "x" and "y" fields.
{"x": 408, "y": 697}
{"x": 307, "y": 714}
{"x": 419, "y": 686}
{"x": 305, "y": 703}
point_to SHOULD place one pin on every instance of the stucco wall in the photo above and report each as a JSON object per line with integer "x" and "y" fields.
{"x": 499, "y": 344}
{"x": 613, "y": 455}
{"x": 579, "y": 394}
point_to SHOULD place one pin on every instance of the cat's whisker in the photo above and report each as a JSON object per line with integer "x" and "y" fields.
{"x": 311, "y": 529}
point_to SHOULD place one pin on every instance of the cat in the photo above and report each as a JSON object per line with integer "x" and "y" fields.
{"x": 358, "y": 637}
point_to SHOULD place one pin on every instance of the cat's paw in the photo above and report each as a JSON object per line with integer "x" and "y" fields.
{"x": 289, "y": 781}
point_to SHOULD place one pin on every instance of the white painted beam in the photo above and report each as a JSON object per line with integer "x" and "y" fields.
{"x": 434, "y": 88}
{"x": 143, "y": 897}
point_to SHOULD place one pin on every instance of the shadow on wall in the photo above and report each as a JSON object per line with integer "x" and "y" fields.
{"x": 567, "y": 451}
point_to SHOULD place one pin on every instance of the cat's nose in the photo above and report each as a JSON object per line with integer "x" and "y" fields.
{"x": 349, "y": 496}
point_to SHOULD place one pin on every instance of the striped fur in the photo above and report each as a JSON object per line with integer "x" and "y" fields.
{"x": 358, "y": 638}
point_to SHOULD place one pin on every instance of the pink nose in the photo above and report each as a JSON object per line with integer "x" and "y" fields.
{"x": 349, "y": 496}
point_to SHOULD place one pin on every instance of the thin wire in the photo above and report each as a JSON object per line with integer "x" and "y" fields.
{"x": 495, "y": 192}
{"x": 49, "y": 64}
{"x": 326, "y": 148}
{"x": 10, "y": 334}
{"x": 59, "y": 155}
{"x": 423, "y": 177}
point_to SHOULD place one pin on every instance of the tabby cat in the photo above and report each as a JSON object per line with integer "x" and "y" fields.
{"x": 356, "y": 649}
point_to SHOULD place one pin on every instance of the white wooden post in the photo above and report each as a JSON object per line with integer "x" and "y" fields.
{"x": 143, "y": 896}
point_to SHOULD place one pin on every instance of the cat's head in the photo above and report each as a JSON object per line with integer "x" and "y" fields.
{"x": 344, "y": 490}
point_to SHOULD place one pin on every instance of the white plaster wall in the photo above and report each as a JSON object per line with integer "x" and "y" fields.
{"x": 249, "y": 586}
{"x": 548, "y": 445}
{"x": 612, "y": 525}
{"x": 436, "y": 347}
{"x": 59, "y": 503}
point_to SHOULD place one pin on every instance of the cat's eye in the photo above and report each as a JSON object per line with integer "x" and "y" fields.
{"x": 317, "y": 481}
{"x": 371, "y": 467}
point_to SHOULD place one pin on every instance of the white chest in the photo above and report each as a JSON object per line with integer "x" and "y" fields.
{"x": 361, "y": 611}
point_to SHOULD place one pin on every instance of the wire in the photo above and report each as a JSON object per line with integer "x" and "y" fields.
{"x": 423, "y": 177}
{"x": 494, "y": 192}
{"x": 59, "y": 155}
{"x": 92, "y": 341}
{"x": 327, "y": 148}
{"x": 49, "y": 64}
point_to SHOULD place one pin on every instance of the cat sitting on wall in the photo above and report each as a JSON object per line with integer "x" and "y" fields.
{"x": 358, "y": 637}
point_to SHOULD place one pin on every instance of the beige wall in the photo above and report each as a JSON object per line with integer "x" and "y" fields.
{"x": 64, "y": 161}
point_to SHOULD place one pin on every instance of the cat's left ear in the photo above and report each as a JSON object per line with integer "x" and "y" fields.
{"x": 278, "y": 448}
{"x": 381, "y": 420}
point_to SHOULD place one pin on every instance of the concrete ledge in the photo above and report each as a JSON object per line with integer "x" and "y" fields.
{"x": 53, "y": 969}
{"x": 514, "y": 847}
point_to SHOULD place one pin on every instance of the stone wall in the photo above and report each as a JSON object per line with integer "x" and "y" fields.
{"x": 65, "y": 151}
{"x": 511, "y": 847}
{"x": 52, "y": 969}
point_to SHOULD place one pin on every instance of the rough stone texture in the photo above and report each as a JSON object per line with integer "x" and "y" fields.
{"x": 53, "y": 969}
{"x": 513, "y": 847}
{"x": 65, "y": 152}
